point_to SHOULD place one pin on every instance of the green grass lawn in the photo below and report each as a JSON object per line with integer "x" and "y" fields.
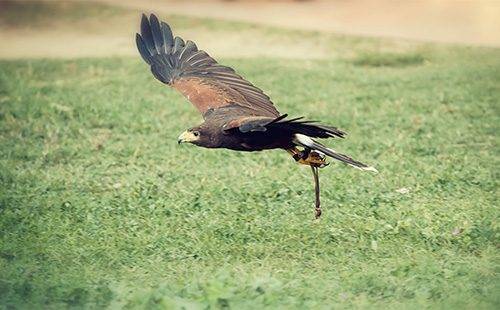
{"x": 99, "y": 206}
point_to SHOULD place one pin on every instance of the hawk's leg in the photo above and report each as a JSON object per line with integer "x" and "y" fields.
{"x": 317, "y": 208}
{"x": 316, "y": 161}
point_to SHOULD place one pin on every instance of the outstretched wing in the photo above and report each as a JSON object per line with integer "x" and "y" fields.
{"x": 195, "y": 74}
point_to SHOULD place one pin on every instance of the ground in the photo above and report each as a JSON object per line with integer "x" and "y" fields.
{"x": 99, "y": 206}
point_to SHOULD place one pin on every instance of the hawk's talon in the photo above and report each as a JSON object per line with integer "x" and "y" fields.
{"x": 309, "y": 157}
{"x": 317, "y": 214}
{"x": 305, "y": 154}
{"x": 315, "y": 159}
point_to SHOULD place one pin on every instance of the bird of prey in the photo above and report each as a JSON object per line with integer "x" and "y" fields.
{"x": 237, "y": 115}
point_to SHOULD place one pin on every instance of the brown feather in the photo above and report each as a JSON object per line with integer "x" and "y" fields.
{"x": 203, "y": 95}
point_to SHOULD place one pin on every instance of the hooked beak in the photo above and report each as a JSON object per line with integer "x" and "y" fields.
{"x": 186, "y": 137}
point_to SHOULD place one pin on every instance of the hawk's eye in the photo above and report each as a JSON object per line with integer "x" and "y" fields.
{"x": 196, "y": 133}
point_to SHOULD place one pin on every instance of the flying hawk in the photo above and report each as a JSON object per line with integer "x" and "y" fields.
{"x": 238, "y": 115}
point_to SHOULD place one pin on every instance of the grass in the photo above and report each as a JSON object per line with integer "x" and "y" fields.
{"x": 99, "y": 207}
{"x": 389, "y": 59}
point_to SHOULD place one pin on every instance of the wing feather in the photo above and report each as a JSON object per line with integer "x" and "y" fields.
{"x": 246, "y": 124}
{"x": 146, "y": 34}
{"x": 156, "y": 34}
{"x": 168, "y": 38}
{"x": 143, "y": 50}
{"x": 204, "y": 82}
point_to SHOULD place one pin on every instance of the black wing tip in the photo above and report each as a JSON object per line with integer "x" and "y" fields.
{"x": 153, "y": 19}
{"x": 138, "y": 40}
{"x": 143, "y": 50}
{"x": 145, "y": 17}
{"x": 144, "y": 20}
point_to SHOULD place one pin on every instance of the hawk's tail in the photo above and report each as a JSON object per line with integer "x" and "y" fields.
{"x": 306, "y": 141}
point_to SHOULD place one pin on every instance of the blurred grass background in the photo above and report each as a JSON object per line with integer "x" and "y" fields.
{"x": 99, "y": 207}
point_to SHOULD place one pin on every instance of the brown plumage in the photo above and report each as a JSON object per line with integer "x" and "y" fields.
{"x": 238, "y": 115}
